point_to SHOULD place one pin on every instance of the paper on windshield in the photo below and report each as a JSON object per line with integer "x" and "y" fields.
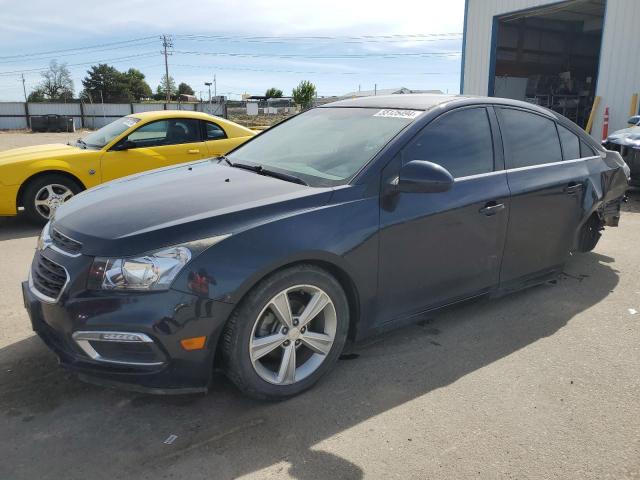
{"x": 389, "y": 113}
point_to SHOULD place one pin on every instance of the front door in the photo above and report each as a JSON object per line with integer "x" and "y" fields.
{"x": 546, "y": 193}
{"x": 440, "y": 247}
{"x": 154, "y": 145}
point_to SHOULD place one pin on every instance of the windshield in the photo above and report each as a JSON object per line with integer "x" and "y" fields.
{"x": 325, "y": 146}
{"x": 100, "y": 138}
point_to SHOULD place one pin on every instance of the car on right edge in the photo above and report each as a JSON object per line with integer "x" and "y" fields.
{"x": 337, "y": 224}
{"x": 627, "y": 143}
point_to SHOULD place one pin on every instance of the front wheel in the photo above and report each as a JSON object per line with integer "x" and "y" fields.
{"x": 287, "y": 333}
{"x": 44, "y": 195}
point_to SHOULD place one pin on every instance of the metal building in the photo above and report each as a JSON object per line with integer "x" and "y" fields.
{"x": 564, "y": 55}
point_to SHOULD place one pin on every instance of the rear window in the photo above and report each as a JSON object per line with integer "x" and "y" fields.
{"x": 529, "y": 139}
{"x": 570, "y": 143}
{"x": 586, "y": 150}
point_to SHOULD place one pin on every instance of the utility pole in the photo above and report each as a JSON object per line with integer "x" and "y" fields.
{"x": 166, "y": 43}
{"x": 208, "y": 84}
{"x": 24, "y": 88}
{"x": 215, "y": 86}
{"x": 375, "y": 89}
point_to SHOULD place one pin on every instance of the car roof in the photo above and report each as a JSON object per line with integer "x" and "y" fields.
{"x": 155, "y": 114}
{"x": 233, "y": 129}
{"x": 428, "y": 101}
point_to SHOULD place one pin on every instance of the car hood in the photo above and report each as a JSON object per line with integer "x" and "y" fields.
{"x": 627, "y": 136}
{"x": 38, "y": 152}
{"x": 178, "y": 204}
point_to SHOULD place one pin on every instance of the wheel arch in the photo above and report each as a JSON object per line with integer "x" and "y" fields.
{"x": 339, "y": 273}
{"x": 32, "y": 178}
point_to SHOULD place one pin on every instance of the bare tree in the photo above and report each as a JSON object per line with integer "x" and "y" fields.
{"x": 56, "y": 82}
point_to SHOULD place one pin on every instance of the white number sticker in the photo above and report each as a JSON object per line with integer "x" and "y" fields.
{"x": 129, "y": 123}
{"x": 409, "y": 114}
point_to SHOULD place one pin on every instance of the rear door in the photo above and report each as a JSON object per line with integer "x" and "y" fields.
{"x": 440, "y": 247}
{"x": 155, "y": 144}
{"x": 547, "y": 190}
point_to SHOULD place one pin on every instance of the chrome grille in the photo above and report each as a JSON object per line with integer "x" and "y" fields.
{"x": 65, "y": 243}
{"x": 48, "y": 277}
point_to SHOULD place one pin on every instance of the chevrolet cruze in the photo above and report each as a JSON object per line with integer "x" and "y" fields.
{"x": 338, "y": 224}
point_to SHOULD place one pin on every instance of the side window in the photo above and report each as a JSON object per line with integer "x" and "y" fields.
{"x": 570, "y": 143}
{"x": 586, "y": 150}
{"x": 529, "y": 139}
{"x": 459, "y": 141}
{"x": 149, "y": 135}
{"x": 166, "y": 132}
{"x": 214, "y": 132}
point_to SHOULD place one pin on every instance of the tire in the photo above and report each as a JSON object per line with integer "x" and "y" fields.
{"x": 260, "y": 376}
{"x": 590, "y": 234}
{"x": 42, "y": 187}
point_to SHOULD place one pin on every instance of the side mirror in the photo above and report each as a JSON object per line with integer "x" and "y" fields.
{"x": 124, "y": 145}
{"x": 420, "y": 176}
{"x": 635, "y": 120}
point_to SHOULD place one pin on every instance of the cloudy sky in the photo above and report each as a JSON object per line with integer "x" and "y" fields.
{"x": 250, "y": 46}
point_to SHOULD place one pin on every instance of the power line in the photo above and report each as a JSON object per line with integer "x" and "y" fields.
{"x": 323, "y": 56}
{"x": 141, "y": 55}
{"x": 44, "y": 55}
{"x": 248, "y": 69}
{"x": 22, "y": 55}
{"x": 322, "y": 37}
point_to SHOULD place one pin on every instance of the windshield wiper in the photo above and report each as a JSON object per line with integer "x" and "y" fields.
{"x": 224, "y": 157}
{"x": 265, "y": 171}
{"x": 82, "y": 143}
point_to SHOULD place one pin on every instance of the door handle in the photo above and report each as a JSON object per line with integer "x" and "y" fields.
{"x": 193, "y": 150}
{"x": 491, "y": 208}
{"x": 573, "y": 188}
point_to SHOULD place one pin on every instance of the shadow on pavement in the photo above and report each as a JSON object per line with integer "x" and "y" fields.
{"x": 17, "y": 227}
{"x": 54, "y": 426}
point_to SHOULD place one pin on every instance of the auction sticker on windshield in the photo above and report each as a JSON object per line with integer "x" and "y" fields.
{"x": 409, "y": 114}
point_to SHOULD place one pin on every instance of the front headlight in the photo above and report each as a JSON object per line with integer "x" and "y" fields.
{"x": 150, "y": 271}
{"x": 154, "y": 271}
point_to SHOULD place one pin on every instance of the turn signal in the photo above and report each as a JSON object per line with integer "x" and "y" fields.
{"x": 194, "y": 343}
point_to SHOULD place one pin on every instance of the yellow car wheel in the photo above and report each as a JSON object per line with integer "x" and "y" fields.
{"x": 46, "y": 193}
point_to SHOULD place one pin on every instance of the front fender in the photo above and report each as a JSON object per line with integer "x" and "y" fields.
{"x": 79, "y": 167}
{"x": 342, "y": 234}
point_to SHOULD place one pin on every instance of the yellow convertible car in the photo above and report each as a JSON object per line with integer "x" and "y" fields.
{"x": 40, "y": 178}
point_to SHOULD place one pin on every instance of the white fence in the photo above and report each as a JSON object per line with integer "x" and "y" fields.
{"x": 16, "y": 115}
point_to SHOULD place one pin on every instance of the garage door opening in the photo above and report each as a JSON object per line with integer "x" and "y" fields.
{"x": 549, "y": 56}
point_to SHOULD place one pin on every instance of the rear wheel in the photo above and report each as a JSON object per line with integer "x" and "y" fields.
{"x": 287, "y": 333}
{"x": 590, "y": 234}
{"x": 45, "y": 194}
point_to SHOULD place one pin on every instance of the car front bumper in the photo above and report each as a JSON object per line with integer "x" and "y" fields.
{"x": 163, "y": 318}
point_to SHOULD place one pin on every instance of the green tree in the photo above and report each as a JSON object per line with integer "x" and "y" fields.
{"x": 56, "y": 82}
{"x": 185, "y": 89}
{"x": 37, "y": 95}
{"x": 304, "y": 94}
{"x": 273, "y": 92}
{"x": 137, "y": 87}
{"x": 104, "y": 83}
{"x": 161, "y": 91}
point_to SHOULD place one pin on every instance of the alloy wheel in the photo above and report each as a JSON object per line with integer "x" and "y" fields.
{"x": 50, "y": 197}
{"x": 293, "y": 334}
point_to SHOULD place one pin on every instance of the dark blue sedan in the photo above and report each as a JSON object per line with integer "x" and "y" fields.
{"x": 337, "y": 224}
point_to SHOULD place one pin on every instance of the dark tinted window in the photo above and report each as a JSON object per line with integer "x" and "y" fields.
{"x": 586, "y": 150}
{"x": 459, "y": 141}
{"x": 166, "y": 132}
{"x": 214, "y": 132}
{"x": 529, "y": 139}
{"x": 570, "y": 143}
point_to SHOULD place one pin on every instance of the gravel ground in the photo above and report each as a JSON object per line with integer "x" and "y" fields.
{"x": 543, "y": 383}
